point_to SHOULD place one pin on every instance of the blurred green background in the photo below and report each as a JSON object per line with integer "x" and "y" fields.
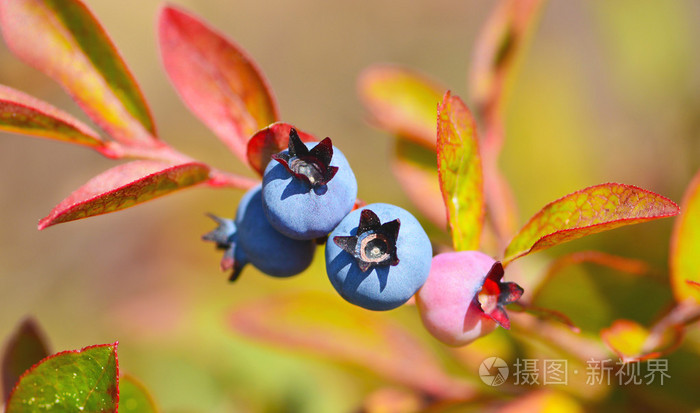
{"x": 609, "y": 91}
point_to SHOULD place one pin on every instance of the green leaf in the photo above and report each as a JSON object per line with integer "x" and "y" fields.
{"x": 401, "y": 101}
{"x": 413, "y": 166}
{"x": 64, "y": 40}
{"x": 125, "y": 186}
{"x": 71, "y": 381}
{"x": 459, "y": 169}
{"x": 322, "y": 324}
{"x": 22, "y": 113}
{"x": 24, "y": 348}
{"x": 134, "y": 397}
{"x": 684, "y": 258}
{"x": 588, "y": 211}
{"x": 220, "y": 83}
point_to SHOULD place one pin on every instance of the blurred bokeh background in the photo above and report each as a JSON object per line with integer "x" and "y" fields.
{"x": 609, "y": 91}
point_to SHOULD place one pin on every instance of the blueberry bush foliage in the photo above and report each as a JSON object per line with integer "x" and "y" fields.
{"x": 405, "y": 301}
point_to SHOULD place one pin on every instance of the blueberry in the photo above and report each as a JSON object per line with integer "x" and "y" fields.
{"x": 464, "y": 297}
{"x": 378, "y": 257}
{"x": 308, "y": 189}
{"x": 251, "y": 239}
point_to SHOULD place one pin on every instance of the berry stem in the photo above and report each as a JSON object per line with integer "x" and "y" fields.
{"x": 682, "y": 314}
{"x": 575, "y": 345}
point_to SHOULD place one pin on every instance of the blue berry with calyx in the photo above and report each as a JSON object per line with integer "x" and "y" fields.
{"x": 308, "y": 188}
{"x": 378, "y": 257}
{"x": 251, "y": 239}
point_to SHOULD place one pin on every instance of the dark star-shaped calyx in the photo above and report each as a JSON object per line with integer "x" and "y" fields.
{"x": 312, "y": 166}
{"x": 374, "y": 244}
{"x": 495, "y": 295}
{"x": 224, "y": 235}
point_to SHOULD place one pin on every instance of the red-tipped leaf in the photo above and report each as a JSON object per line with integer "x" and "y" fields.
{"x": 401, "y": 101}
{"x": 83, "y": 380}
{"x": 684, "y": 258}
{"x": 215, "y": 78}
{"x": 269, "y": 141}
{"x": 24, "y": 114}
{"x": 64, "y": 40}
{"x": 588, "y": 211}
{"x": 459, "y": 169}
{"x": 124, "y": 186}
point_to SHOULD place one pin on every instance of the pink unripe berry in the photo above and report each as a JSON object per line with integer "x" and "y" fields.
{"x": 464, "y": 297}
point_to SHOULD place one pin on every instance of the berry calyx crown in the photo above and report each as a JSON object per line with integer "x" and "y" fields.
{"x": 496, "y": 294}
{"x": 374, "y": 244}
{"x": 309, "y": 165}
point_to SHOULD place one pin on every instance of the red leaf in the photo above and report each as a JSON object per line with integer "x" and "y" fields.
{"x": 401, "y": 101}
{"x": 271, "y": 140}
{"x": 25, "y": 348}
{"x": 64, "y": 40}
{"x": 324, "y": 325}
{"x": 684, "y": 258}
{"x": 124, "y": 186}
{"x": 588, "y": 211}
{"x": 22, "y": 113}
{"x": 215, "y": 78}
{"x": 459, "y": 169}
